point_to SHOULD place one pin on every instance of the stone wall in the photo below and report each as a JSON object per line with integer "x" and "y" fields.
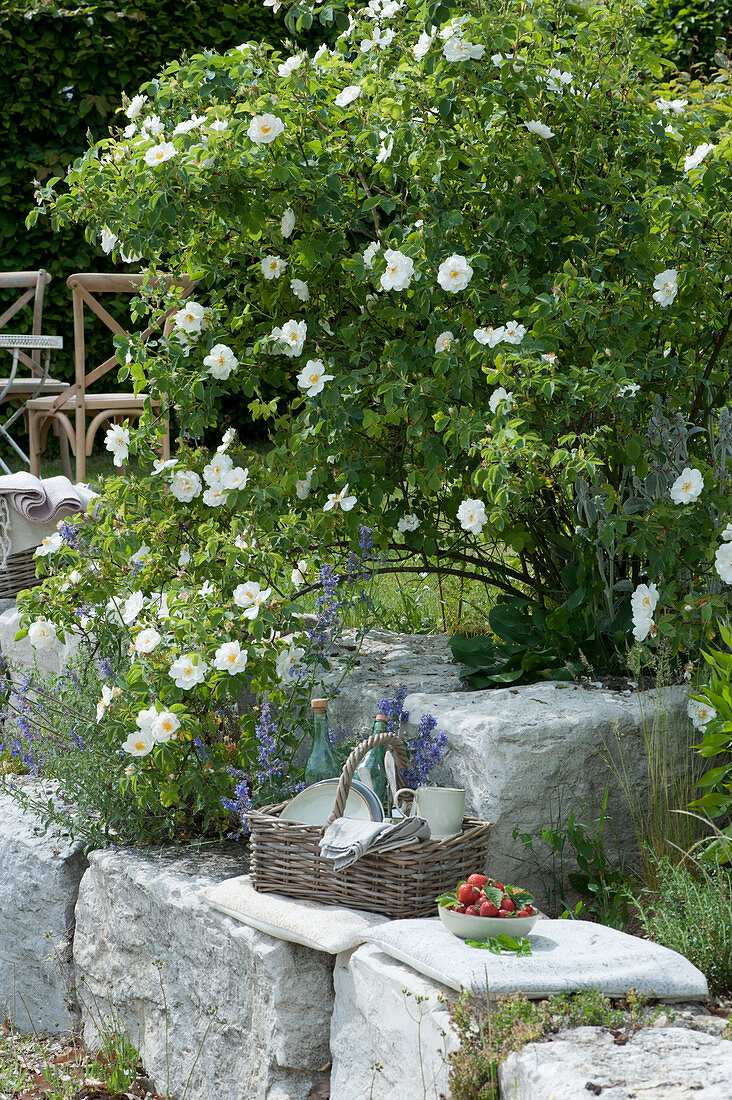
{"x": 220, "y": 1010}
{"x": 40, "y": 874}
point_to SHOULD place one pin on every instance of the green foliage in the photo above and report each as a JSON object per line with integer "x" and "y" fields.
{"x": 536, "y": 643}
{"x": 714, "y": 717}
{"x": 491, "y": 1030}
{"x": 606, "y": 381}
{"x": 690, "y": 32}
{"x": 599, "y": 878}
{"x": 692, "y": 913}
{"x": 65, "y": 68}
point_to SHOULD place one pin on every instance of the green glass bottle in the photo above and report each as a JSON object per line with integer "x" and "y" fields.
{"x": 322, "y": 762}
{"x": 371, "y": 770}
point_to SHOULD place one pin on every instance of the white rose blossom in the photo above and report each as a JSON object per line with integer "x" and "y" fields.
{"x": 312, "y": 378}
{"x": 135, "y": 106}
{"x": 539, "y": 128}
{"x": 500, "y": 397}
{"x": 701, "y": 713}
{"x": 218, "y": 125}
{"x": 231, "y": 658}
{"x": 666, "y": 287}
{"x": 158, "y": 154}
{"x": 189, "y": 670}
{"x": 444, "y": 342}
{"x": 185, "y": 485}
{"x": 557, "y": 80}
{"x": 302, "y": 486}
{"x": 287, "y": 224}
{"x": 42, "y": 634}
{"x": 236, "y": 478}
{"x": 273, "y": 267}
{"x": 108, "y": 240}
{"x": 288, "y": 661}
{"x": 164, "y": 726}
{"x": 263, "y": 129}
{"x": 249, "y": 596}
{"x": 217, "y": 468}
{"x": 117, "y": 441}
{"x": 723, "y": 562}
{"x": 152, "y": 127}
{"x": 370, "y": 252}
{"x": 132, "y": 607}
{"x": 688, "y": 486}
{"x": 457, "y": 49}
{"x": 472, "y": 516}
{"x": 399, "y": 270}
{"x": 290, "y": 65}
{"x": 290, "y": 338}
{"x": 139, "y": 743}
{"x": 643, "y": 625}
{"x": 422, "y": 46}
{"x": 695, "y": 159}
{"x": 489, "y": 336}
{"x": 190, "y": 318}
{"x": 348, "y": 95}
{"x": 300, "y": 289}
{"x": 643, "y": 602}
{"x": 297, "y": 576}
{"x": 671, "y": 106}
{"x": 454, "y": 274}
{"x": 408, "y": 523}
{"x": 50, "y": 545}
{"x": 221, "y": 361}
{"x": 339, "y": 500}
{"x": 147, "y": 640}
{"x": 215, "y": 496}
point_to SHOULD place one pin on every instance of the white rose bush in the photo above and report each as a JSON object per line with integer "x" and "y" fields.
{"x": 477, "y": 292}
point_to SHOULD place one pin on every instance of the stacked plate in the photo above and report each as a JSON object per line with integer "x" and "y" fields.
{"x": 314, "y": 805}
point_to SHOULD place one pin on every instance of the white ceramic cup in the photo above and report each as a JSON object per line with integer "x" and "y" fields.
{"x": 441, "y": 807}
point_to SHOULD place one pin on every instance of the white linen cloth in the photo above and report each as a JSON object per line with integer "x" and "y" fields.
{"x": 30, "y": 508}
{"x": 347, "y": 839}
{"x": 41, "y": 500}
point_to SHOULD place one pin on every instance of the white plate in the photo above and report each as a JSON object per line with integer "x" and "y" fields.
{"x": 314, "y": 805}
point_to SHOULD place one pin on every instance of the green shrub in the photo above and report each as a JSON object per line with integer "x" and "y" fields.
{"x": 64, "y": 70}
{"x": 561, "y": 435}
{"x": 690, "y": 32}
{"x": 692, "y": 913}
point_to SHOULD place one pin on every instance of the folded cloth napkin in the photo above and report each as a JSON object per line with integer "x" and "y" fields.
{"x": 347, "y": 839}
{"x": 39, "y": 501}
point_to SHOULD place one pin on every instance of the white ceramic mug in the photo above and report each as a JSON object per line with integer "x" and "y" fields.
{"x": 441, "y": 807}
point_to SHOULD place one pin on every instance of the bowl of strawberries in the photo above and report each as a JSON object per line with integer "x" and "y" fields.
{"x": 481, "y": 907}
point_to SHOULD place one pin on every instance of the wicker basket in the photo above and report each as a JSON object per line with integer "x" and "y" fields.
{"x": 285, "y": 857}
{"x": 19, "y": 573}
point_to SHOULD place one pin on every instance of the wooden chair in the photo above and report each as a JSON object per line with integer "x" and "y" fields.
{"x": 30, "y": 348}
{"x": 76, "y": 402}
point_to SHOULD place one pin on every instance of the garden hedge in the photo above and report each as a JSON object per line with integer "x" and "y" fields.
{"x": 690, "y": 32}
{"x": 64, "y": 69}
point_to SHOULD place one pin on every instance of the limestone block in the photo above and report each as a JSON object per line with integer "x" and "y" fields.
{"x": 226, "y": 1011}
{"x": 390, "y": 1033}
{"x": 40, "y": 873}
{"x": 657, "y": 1064}
{"x": 513, "y": 749}
{"x": 23, "y": 657}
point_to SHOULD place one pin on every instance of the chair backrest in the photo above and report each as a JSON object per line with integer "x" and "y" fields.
{"x": 32, "y": 285}
{"x": 85, "y": 288}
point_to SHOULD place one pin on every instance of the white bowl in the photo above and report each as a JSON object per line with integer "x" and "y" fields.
{"x": 466, "y": 927}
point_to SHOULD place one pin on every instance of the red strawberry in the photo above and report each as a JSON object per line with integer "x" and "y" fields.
{"x": 488, "y": 909}
{"x": 530, "y": 910}
{"x": 498, "y": 885}
{"x": 503, "y": 913}
{"x": 467, "y": 894}
{"x": 477, "y": 880}
{"x": 458, "y": 908}
{"x": 523, "y": 913}
{"x": 472, "y": 911}
{"x": 507, "y": 905}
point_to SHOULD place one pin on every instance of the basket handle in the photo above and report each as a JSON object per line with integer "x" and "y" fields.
{"x": 357, "y": 755}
